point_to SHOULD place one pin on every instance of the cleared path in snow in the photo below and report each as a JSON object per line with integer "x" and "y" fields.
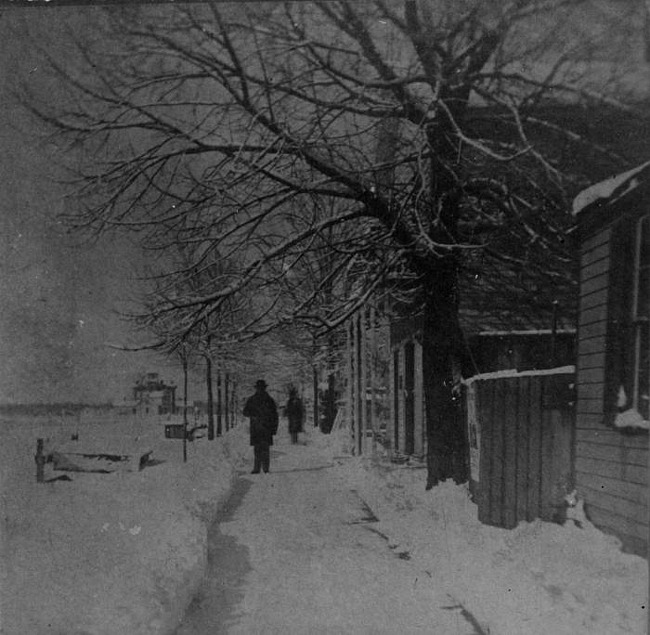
{"x": 296, "y": 552}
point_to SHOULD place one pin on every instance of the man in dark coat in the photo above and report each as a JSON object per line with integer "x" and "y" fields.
{"x": 263, "y": 414}
{"x": 295, "y": 413}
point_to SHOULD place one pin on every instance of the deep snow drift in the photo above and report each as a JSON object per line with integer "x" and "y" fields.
{"x": 123, "y": 553}
{"x": 107, "y": 554}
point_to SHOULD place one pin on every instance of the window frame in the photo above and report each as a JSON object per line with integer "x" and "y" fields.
{"x": 639, "y": 321}
{"x": 623, "y": 341}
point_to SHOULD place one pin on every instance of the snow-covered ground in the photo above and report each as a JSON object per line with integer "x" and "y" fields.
{"x": 118, "y": 553}
{"x": 123, "y": 553}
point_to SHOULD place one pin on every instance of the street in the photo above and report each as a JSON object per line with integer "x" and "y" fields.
{"x": 296, "y": 551}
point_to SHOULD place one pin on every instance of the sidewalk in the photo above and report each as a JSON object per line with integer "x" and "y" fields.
{"x": 300, "y": 552}
{"x": 333, "y": 544}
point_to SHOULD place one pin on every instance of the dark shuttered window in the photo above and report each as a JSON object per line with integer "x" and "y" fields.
{"x": 640, "y": 320}
{"x": 627, "y": 392}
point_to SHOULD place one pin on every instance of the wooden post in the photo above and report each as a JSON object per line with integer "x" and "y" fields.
{"x": 418, "y": 397}
{"x": 355, "y": 382}
{"x": 315, "y": 387}
{"x": 208, "y": 379}
{"x": 349, "y": 411}
{"x": 554, "y": 335}
{"x": 184, "y": 410}
{"x": 233, "y": 410}
{"x": 226, "y": 382}
{"x": 363, "y": 370}
{"x": 358, "y": 361}
{"x": 392, "y": 398}
{"x": 219, "y": 401}
{"x": 371, "y": 378}
{"x": 40, "y": 461}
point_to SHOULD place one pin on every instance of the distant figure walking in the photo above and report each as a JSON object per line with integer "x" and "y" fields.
{"x": 263, "y": 414}
{"x": 295, "y": 413}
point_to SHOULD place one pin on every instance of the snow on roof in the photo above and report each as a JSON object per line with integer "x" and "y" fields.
{"x": 528, "y": 332}
{"x": 513, "y": 372}
{"x": 610, "y": 189}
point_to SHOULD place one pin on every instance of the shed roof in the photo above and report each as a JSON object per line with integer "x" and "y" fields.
{"x": 607, "y": 192}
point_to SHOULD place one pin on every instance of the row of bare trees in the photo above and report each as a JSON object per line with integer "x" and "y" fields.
{"x": 303, "y": 157}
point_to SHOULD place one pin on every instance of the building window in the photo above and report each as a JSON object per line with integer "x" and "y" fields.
{"x": 629, "y": 334}
{"x": 640, "y": 398}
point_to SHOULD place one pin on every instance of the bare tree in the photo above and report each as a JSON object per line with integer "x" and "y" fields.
{"x": 413, "y": 139}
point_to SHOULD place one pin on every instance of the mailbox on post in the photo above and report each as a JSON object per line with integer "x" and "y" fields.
{"x": 175, "y": 431}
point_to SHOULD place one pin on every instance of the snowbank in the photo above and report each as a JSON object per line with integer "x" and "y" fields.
{"x": 108, "y": 554}
{"x": 537, "y": 579}
{"x": 124, "y": 553}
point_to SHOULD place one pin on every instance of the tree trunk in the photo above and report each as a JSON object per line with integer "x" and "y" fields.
{"x": 219, "y": 401}
{"x": 184, "y": 409}
{"x": 442, "y": 346}
{"x": 315, "y": 388}
{"x": 226, "y": 400}
{"x": 208, "y": 380}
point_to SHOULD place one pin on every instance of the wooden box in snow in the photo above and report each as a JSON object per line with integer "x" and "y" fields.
{"x": 102, "y": 457}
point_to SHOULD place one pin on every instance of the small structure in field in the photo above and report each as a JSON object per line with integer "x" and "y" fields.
{"x": 152, "y": 396}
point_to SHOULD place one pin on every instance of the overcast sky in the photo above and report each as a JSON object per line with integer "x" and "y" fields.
{"x": 58, "y": 300}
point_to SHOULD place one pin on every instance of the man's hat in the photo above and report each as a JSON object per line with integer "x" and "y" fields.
{"x": 260, "y": 383}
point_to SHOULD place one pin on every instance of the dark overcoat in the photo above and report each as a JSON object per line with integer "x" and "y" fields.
{"x": 295, "y": 414}
{"x": 263, "y": 414}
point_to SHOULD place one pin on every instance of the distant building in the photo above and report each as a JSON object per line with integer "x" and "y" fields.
{"x": 152, "y": 396}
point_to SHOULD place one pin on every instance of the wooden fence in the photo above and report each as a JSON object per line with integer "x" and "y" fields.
{"x": 521, "y": 431}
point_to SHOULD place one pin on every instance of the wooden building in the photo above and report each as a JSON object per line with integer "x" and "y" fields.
{"x": 489, "y": 347}
{"x": 613, "y": 369}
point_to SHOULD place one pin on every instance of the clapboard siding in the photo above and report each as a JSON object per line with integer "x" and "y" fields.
{"x": 592, "y": 422}
{"x": 593, "y": 285}
{"x": 633, "y": 534}
{"x": 627, "y": 515}
{"x": 591, "y": 360}
{"x": 593, "y": 330}
{"x": 633, "y": 510}
{"x": 597, "y": 298}
{"x": 594, "y": 241}
{"x": 598, "y": 252}
{"x": 597, "y": 486}
{"x": 618, "y": 454}
{"x": 589, "y": 406}
{"x": 611, "y": 473}
{"x": 592, "y": 375}
{"x": 591, "y": 345}
{"x": 594, "y": 269}
{"x": 596, "y": 432}
{"x": 593, "y": 315}
{"x": 613, "y": 469}
{"x": 592, "y": 327}
{"x": 588, "y": 393}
